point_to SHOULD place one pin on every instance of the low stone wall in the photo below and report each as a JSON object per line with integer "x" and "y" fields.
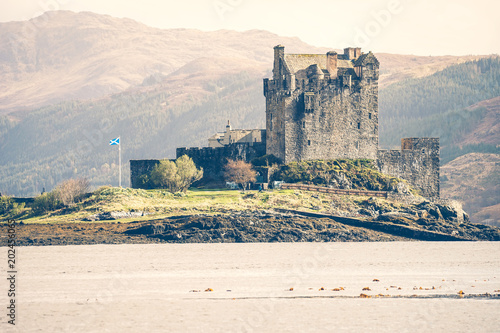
{"x": 339, "y": 191}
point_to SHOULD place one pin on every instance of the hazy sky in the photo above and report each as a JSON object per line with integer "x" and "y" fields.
{"x": 423, "y": 27}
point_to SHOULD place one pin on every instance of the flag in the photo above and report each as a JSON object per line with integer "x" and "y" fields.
{"x": 114, "y": 142}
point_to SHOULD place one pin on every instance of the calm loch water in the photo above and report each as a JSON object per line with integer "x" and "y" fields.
{"x": 277, "y": 287}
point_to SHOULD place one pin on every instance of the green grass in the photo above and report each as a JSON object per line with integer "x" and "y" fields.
{"x": 161, "y": 204}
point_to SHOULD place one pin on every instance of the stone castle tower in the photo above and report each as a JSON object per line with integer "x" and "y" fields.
{"x": 322, "y": 106}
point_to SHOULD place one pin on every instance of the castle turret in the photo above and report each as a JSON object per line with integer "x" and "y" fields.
{"x": 352, "y": 53}
{"x": 279, "y": 55}
{"x": 331, "y": 64}
{"x": 227, "y": 134}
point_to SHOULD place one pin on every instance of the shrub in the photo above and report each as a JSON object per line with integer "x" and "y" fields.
{"x": 341, "y": 173}
{"x": 17, "y": 209}
{"x": 265, "y": 161}
{"x": 164, "y": 175}
{"x": 187, "y": 172}
{"x": 6, "y": 204}
{"x": 46, "y": 202}
{"x": 175, "y": 176}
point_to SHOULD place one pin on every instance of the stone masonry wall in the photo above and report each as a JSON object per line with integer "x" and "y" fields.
{"x": 212, "y": 160}
{"x": 342, "y": 124}
{"x": 139, "y": 168}
{"x": 417, "y": 162}
{"x": 317, "y": 117}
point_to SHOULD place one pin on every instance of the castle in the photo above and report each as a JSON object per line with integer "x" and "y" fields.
{"x": 322, "y": 106}
{"x": 319, "y": 106}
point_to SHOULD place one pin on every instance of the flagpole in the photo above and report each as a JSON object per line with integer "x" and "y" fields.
{"x": 119, "y": 163}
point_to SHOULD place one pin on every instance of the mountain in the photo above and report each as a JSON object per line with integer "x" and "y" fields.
{"x": 396, "y": 67}
{"x": 458, "y": 104}
{"x": 85, "y": 55}
{"x": 474, "y": 179}
{"x": 487, "y": 131}
{"x": 184, "y": 108}
{"x": 62, "y": 56}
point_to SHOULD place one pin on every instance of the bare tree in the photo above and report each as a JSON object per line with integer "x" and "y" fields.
{"x": 71, "y": 190}
{"x": 239, "y": 172}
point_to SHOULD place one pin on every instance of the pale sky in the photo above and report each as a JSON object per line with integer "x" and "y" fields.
{"x": 421, "y": 27}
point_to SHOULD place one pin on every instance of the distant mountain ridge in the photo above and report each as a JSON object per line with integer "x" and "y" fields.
{"x": 69, "y": 56}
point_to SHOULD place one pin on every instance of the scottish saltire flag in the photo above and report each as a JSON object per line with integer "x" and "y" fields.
{"x": 114, "y": 142}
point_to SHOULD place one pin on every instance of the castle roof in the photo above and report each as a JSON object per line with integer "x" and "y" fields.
{"x": 297, "y": 62}
{"x": 347, "y": 71}
{"x": 366, "y": 58}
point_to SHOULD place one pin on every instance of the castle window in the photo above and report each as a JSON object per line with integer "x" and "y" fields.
{"x": 369, "y": 116}
{"x": 309, "y": 102}
{"x": 308, "y": 142}
{"x": 369, "y": 81}
{"x": 303, "y": 124}
{"x": 359, "y": 125}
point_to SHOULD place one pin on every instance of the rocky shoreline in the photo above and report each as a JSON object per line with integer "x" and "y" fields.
{"x": 259, "y": 226}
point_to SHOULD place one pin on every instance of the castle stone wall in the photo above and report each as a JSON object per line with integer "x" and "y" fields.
{"x": 311, "y": 114}
{"x": 417, "y": 162}
{"x": 139, "y": 168}
{"x": 212, "y": 160}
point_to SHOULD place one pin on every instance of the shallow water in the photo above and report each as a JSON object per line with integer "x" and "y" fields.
{"x": 133, "y": 288}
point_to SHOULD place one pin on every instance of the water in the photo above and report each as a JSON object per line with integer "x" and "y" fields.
{"x": 140, "y": 288}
